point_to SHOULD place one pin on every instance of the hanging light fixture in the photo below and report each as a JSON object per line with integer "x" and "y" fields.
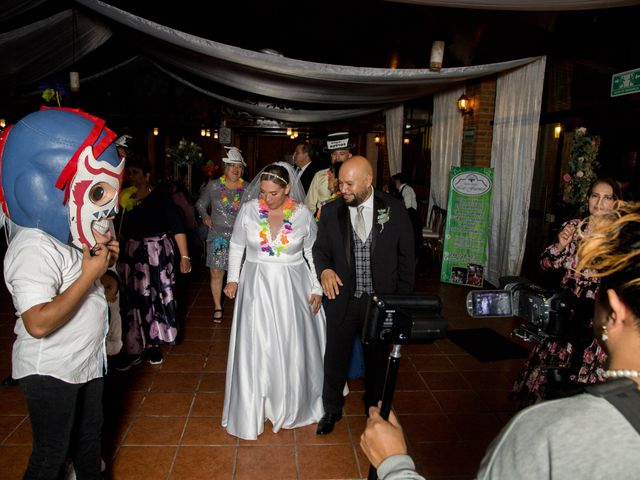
{"x": 215, "y": 134}
{"x": 208, "y": 132}
{"x": 156, "y": 131}
{"x": 203, "y": 132}
{"x": 74, "y": 76}
{"x": 437, "y": 53}
{"x": 3, "y": 123}
{"x": 464, "y": 105}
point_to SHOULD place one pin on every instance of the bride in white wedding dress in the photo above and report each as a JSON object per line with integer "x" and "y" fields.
{"x": 276, "y": 349}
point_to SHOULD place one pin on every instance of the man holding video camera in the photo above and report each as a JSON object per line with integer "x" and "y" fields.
{"x": 364, "y": 245}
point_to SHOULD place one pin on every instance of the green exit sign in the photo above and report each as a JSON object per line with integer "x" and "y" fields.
{"x": 625, "y": 83}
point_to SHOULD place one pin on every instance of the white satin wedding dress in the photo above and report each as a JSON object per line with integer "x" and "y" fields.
{"x": 276, "y": 350}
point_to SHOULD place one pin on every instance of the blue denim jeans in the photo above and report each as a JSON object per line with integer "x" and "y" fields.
{"x": 66, "y": 419}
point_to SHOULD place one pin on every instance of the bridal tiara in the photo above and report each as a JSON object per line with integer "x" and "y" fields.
{"x": 276, "y": 176}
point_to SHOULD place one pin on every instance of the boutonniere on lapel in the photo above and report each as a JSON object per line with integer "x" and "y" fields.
{"x": 384, "y": 214}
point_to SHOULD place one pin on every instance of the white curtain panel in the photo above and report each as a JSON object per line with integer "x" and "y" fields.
{"x": 394, "y": 118}
{"x": 513, "y": 155}
{"x": 446, "y": 143}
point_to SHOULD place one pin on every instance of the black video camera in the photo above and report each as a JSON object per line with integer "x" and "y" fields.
{"x": 403, "y": 319}
{"x": 546, "y": 313}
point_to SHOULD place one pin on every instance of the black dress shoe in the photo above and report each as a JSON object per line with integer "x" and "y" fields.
{"x": 327, "y": 422}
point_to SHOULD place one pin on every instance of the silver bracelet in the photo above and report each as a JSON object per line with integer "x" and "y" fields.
{"x": 186, "y": 258}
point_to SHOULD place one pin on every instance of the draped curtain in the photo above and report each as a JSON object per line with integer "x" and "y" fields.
{"x": 394, "y": 118}
{"x": 446, "y": 143}
{"x": 513, "y": 154}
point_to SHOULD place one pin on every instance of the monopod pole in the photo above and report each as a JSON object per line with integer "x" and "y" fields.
{"x": 387, "y": 393}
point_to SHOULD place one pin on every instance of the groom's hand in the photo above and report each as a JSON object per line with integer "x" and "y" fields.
{"x": 331, "y": 283}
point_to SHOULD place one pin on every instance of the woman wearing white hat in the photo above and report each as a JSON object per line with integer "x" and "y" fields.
{"x": 218, "y": 206}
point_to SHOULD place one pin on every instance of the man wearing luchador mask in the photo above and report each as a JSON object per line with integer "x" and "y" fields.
{"x": 60, "y": 176}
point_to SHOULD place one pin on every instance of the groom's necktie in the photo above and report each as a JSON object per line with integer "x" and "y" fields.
{"x": 360, "y": 228}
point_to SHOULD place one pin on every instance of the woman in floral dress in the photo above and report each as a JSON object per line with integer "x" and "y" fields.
{"x": 218, "y": 206}
{"x": 531, "y": 385}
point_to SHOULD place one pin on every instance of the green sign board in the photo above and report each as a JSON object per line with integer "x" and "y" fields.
{"x": 464, "y": 251}
{"x": 625, "y": 83}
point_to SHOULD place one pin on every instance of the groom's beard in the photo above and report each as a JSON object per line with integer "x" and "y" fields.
{"x": 358, "y": 198}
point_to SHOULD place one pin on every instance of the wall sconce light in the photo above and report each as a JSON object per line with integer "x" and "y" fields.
{"x": 156, "y": 131}
{"x": 557, "y": 131}
{"x": 289, "y": 132}
{"x": 215, "y": 134}
{"x": 203, "y": 132}
{"x": 406, "y": 141}
{"x": 377, "y": 139}
{"x": 464, "y": 105}
{"x": 3, "y": 123}
{"x": 207, "y": 132}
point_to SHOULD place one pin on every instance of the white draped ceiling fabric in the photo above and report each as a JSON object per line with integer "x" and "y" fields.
{"x": 525, "y": 5}
{"x": 264, "y": 84}
{"x": 513, "y": 155}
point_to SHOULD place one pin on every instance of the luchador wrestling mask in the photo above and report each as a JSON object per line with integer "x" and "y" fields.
{"x": 61, "y": 173}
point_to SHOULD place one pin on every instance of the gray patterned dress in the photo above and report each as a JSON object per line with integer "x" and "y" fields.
{"x": 221, "y": 204}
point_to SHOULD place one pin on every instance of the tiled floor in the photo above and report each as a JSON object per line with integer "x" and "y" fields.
{"x": 163, "y": 422}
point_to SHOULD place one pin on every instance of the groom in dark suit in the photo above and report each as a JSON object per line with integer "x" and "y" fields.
{"x": 364, "y": 245}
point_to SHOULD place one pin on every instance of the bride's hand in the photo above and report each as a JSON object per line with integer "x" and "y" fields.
{"x": 231, "y": 289}
{"x": 315, "y": 301}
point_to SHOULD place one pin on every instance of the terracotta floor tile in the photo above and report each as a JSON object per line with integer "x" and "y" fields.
{"x": 307, "y": 435}
{"x": 432, "y": 363}
{"x": 208, "y": 404}
{"x": 220, "y": 345}
{"x": 415, "y": 402}
{"x": 460, "y": 401}
{"x": 206, "y": 431}
{"x": 14, "y": 460}
{"x": 409, "y": 380}
{"x": 136, "y": 463}
{"x": 192, "y": 347}
{"x": 21, "y": 435}
{"x": 191, "y": 332}
{"x": 213, "y": 382}
{"x": 266, "y": 462}
{"x": 204, "y": 463}
{"x": 167, "y": 404}
{"x": 176, "y": 382}
{"x": 327, "y": 461}
{"x": 155, "y": 431}
{"x": 184, "y": 363}
{"x": 445, "y": 380}
{"x": 12, "y": 401}
{"x": 8, "y": 424}
{"x": 216, "y": 363}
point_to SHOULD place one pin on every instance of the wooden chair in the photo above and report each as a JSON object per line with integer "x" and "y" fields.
{"x": 432, "y": 233}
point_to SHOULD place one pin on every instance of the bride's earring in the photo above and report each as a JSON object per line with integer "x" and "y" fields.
{"x": 605, "y": 334}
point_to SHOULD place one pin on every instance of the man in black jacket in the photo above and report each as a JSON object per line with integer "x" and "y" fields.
{"x": 364, "y": 245}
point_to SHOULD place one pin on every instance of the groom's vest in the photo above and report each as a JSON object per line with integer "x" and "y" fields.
{"x": 362, "y": 253}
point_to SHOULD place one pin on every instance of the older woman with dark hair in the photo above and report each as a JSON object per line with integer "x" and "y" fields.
{"x": 275, "y": 365}
{"x": 153, "y": 243}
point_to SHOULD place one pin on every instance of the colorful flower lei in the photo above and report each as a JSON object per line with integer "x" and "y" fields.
{"x": 286, "y": 229}
{"x": 233, "y": 209}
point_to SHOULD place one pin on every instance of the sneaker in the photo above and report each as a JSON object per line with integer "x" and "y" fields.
{"x": 124, "y": 362}
{"x": 154, "y": 355}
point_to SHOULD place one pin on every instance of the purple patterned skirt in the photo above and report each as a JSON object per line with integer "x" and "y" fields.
{"x": 147, "y": 270}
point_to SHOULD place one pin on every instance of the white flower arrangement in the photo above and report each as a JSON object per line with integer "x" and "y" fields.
{"x": 185, "y": 153}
